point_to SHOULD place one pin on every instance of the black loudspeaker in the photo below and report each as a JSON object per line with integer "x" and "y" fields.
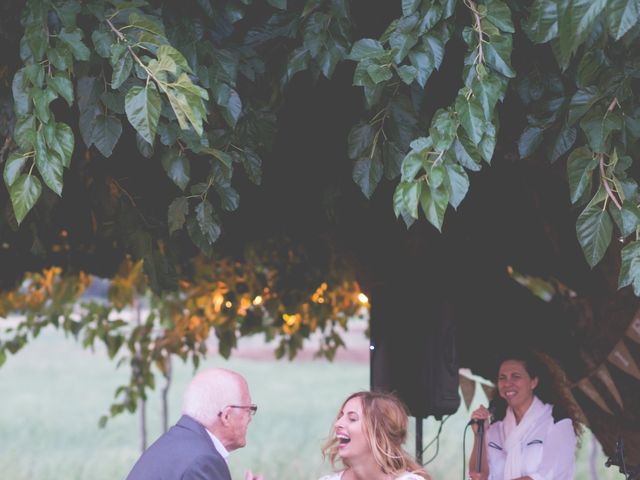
{"x": 413, "y": 351}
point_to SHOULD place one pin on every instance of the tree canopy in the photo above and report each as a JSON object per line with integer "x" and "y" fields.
{"x": 139, "y": 128}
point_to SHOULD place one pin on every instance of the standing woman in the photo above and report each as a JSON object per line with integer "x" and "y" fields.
{"x": 534, "y": 437}
{"x": 367, "y": 437}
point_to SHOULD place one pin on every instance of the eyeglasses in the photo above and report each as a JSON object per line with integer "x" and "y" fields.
{"x": 253, "y": 408}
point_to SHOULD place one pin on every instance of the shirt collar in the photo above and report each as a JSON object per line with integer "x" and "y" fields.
{"x": 224, "y": 453}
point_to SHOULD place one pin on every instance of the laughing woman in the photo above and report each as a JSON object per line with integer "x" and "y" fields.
{"x": 534, "y": 435}
{"x": 367, "y": 438}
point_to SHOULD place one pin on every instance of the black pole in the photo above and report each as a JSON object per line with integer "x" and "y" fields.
{"x": 480, "y": 444}
{"x": 419, "y": 440}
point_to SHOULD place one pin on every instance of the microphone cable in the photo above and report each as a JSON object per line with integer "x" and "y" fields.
{"x": 464, "y": 452}
{"x": 437, "y": 440}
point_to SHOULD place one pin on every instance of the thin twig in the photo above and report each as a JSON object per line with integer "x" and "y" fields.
{"x": 478, "y": 27}
{"x": 121, "y": 36}
{"x": 612, "y": 105}
{"x": 605, "y": 182}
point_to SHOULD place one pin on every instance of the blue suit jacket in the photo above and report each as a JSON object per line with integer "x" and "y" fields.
{"x": 185, "y": 452}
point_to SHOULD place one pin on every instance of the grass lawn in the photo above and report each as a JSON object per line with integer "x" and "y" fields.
{"x": 53, "y": 392}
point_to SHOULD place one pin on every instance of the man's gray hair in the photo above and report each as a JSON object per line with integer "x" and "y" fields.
{"x": 209, "y": 392}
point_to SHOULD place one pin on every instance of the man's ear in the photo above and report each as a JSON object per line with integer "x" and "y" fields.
{"x": 534, "y": 383}
{"x": 224, "y": 416}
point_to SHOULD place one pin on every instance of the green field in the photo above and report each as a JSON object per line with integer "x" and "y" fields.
{"x": 53, "y": 392}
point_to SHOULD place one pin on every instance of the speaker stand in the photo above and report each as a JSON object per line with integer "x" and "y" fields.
{"x": 419, "y": 440}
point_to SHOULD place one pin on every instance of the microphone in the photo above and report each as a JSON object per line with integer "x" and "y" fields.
{"x": 479, "y": 422}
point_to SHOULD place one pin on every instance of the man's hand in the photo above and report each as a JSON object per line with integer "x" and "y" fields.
{"x": 250, "y": 476}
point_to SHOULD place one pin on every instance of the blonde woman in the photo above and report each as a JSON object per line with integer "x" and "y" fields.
{"x": 367, "y": 439}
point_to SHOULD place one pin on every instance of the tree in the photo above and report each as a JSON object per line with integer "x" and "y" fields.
{"x": 136, "y": 127}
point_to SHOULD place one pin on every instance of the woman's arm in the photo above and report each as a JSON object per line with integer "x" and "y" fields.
{"x": 480, "y": 414}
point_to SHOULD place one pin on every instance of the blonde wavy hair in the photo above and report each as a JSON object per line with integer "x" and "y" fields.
{"x": 384, "y": 421}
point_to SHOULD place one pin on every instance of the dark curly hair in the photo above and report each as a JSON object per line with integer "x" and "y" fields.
{"x": 552, "y": 386}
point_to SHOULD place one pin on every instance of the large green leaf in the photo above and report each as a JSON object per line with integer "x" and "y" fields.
{"x": 121, "y": 70}
{"x": 208, "y": 226}
{"x": 49, "y": 165}
{"x": 488, "y": 91}
{"x": 591, "y": 63}
{"x": 529, "y": 141}
{"x": 471, "y": 115}
{"x": 542, "y": 23}
{"x": 177, "y": 213}
{"x": 177, "y": 166}
{"x": 360, "y": 139}
{"x": 444, "y": 126}
{"x": 430, "y": 18}
{"x": 581, "y": 102}
{"x": 88, "y": 93}
{"x": 59, "y": 138}
{"x": 41, "y": 100}
{"x": 409, "y": 6}
{"x": 61, "y": 84}
{"x": 146, "y": 24}
{"x": 402, "y": 42}
{"x": 60, "y": 56}
{"x": 24, "y": 194}
{"x": 466, "y": 154}
{"x": 102, "y": 42}
{"x": 367, "y": 173}
{"x": 35, "y": 74}
{"x": 598, "y": 126}
{"x": 580, "y": 166}
{"x": 434, "y": 203}
{"x": 142, "y": 105}
{"x": 252, "y": 164}
{"x": 229, "y": 197}
{"x": 563, "y": 142}
{"x": 575, "y": 20}
{"x": 594, "y": 229}
{"x": 175, "y": 55}
{"x": 403, "y": 201}
{"x": 106, "y": 133}
{"x": 457, "y": 183}
{"x": 13, "y": 167}
{"x": 424, "y": 65}
{"x": 73, "y": 38}
{"x": 401, "y": 123}
{"x": 621, "y": 16}
{"x": 366, "y": 48}
{"x": 627, "y": 218}
{"x": 488, "y": 143}
{"x": 379, "y": 73}
{"x": 412, "y": 163}
{"x": 37, "y": 38}
{"x": 498, "y": 55}
{"x": 24, "y": 132}
{"x": 232, "y": 108}
{"x": 500, "y": 15}
{"x": 630, "y": 267}
{"x": 224, "y": 157}
{"x": 198, "y": 237}
{"x": 20, "y": 89}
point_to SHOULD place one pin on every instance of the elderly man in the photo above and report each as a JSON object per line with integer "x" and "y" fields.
{"x": 216, "y": 412}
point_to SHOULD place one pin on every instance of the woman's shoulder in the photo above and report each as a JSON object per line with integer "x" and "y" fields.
{"x": 333, "y": 476}
{"x": 409, "y": 476}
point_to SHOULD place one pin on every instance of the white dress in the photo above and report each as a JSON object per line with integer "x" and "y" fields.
{"x": 405, "y": 476}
